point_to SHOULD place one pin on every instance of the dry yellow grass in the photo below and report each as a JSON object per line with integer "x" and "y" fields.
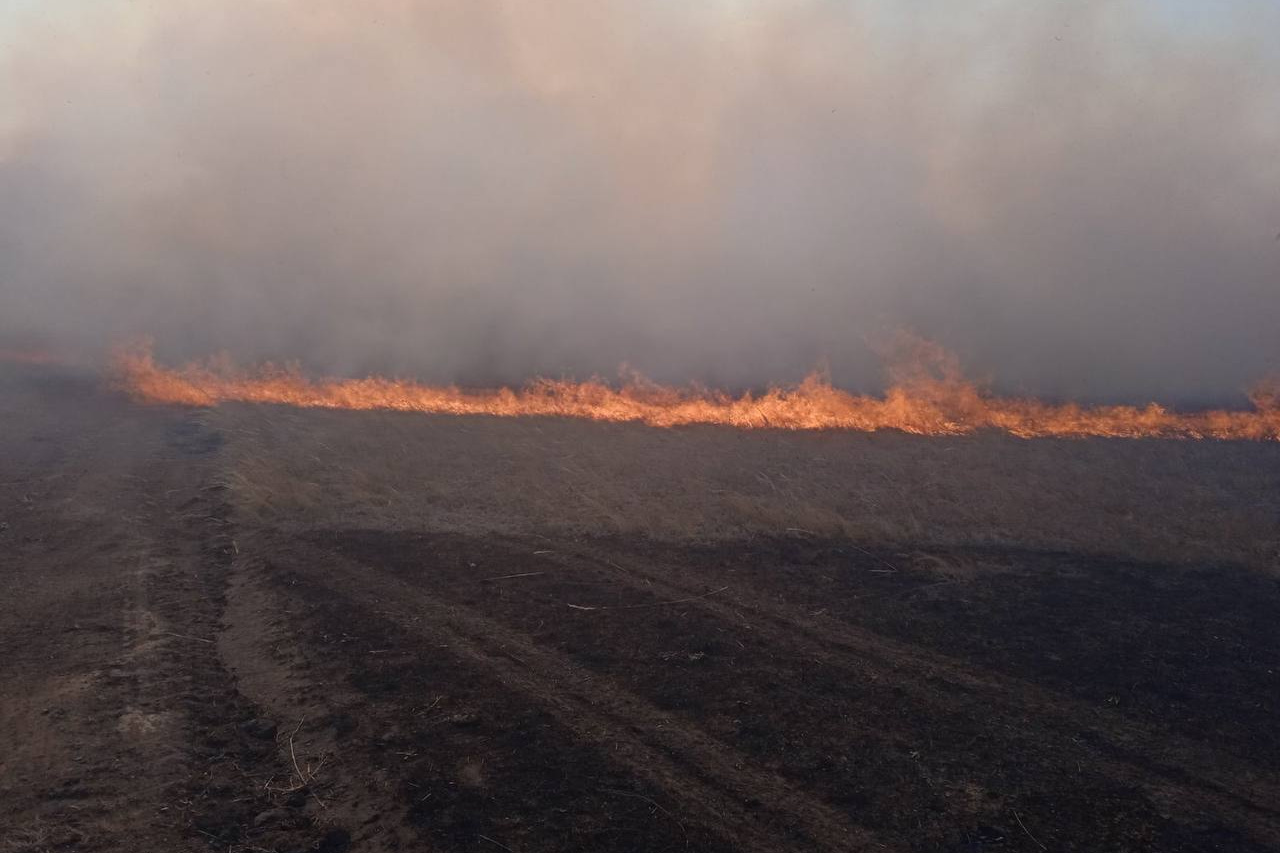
{"x": 1180, "y": 501}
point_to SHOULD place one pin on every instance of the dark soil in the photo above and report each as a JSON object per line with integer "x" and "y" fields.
{"x": 179, "y": 680}
{"x": 1105, "y": 705}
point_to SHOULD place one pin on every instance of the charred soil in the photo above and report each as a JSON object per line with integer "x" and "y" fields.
{"x": 181, "y": 677}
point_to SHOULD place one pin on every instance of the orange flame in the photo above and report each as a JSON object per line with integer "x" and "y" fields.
{"x": 928, "y": 397}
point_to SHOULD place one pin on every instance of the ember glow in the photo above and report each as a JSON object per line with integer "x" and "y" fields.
{"x": 928, "y": 397}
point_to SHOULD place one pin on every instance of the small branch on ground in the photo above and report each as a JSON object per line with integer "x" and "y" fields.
{"x": 305, "y": 777}
{"x": 185, "y": 637}
{"x": 651, "y": 802}
{"x": 642, "y": 606}
{"x": 890, "y": 566}
{"x": 1028, "y": 832}
{"x": 880, "y": 560}
{"x": 496, "y": 843}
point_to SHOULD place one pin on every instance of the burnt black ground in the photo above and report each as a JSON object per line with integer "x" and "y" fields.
{"x": 181, "y": 678}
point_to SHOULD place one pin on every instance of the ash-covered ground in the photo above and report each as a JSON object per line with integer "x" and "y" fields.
{"x": 262, "y": 628}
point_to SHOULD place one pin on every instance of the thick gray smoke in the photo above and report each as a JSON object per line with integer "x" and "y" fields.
{"x": 1079, "y": 198}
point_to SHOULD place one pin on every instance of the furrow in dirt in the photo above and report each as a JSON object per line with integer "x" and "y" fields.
{"x": 1199, "y": 776}
{"x": 314, "y": 711}
{"x": 850, "y": 724}
{"x": 750, "y": 808}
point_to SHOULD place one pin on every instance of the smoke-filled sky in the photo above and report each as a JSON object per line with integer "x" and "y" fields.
{"x": 1081, "y": 198}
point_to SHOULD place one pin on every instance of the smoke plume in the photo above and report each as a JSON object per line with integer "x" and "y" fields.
{"x": 1079, "y": 198}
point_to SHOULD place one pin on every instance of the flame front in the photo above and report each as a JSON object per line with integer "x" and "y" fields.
{"x": 928, "y": 397}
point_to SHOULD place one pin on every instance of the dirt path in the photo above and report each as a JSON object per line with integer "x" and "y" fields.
{"x": 120, "y": 727}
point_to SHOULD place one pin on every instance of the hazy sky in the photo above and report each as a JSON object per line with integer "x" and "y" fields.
{"x": 1079, "y": 198}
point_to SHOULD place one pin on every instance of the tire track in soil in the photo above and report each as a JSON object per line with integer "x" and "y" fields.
{"x": 91, "y": 560}
{"x": 116, "y": 589}
{"x": 179, "y": 601}
{"x": 263, "y": 648}
{"x": 1204, "y": 779}
{"x": 429, "y": 772}
{"x": 871, "y": 658}
{"x": 747, "y": 807}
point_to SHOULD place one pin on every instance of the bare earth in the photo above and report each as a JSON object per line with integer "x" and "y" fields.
{"x": 268, "y": 629}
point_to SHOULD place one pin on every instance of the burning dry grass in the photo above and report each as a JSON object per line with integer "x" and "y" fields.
{"x": 929, "y": 396}
{"x": 933, "y": 462}
{"x": 1175, "y": 501}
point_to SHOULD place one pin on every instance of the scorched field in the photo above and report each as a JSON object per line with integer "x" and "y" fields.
{"x": 256, "y": 627}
